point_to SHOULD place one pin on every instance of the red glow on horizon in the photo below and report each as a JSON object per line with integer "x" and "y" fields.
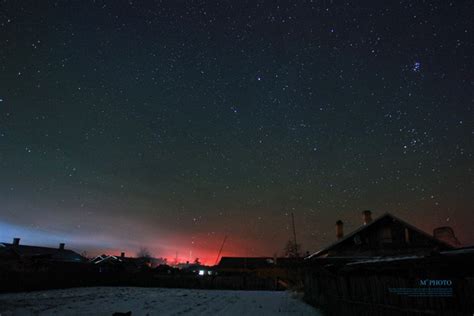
{"x": 203, "y": 248}
{"x": 205, "y": 257}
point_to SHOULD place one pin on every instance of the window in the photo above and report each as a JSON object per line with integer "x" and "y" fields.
{"x": 386, "y": 234}
{"x": 407, "y": 236}
{"x": 357, "y": 240}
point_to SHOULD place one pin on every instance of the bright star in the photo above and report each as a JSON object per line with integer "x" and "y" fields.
{"x": 416, "y": 66}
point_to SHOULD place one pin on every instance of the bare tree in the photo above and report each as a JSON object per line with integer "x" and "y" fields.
{"x": 292, "y": 250}
{"x": 144, "y": 253}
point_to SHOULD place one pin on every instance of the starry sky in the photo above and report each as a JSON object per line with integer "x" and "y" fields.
{"x": 171, "y": 124}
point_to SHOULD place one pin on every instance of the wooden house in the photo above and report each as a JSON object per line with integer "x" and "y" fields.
{"x": 387, "y": 235}
{"x": 17, "y": 257}
{"x": 109, "y": 263}
{"x": 27, "y": 252}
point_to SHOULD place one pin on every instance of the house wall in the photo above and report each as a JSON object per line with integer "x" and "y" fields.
{"x": 365, "y": 289}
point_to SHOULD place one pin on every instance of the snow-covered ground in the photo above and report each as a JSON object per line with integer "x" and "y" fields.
{"x": 152, "y": 301}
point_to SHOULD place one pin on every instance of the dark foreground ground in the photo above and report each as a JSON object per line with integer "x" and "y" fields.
{"x": 152, "y": 301}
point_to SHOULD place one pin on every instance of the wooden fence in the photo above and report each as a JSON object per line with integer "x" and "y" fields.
{"x": 370, "y": 288}
{"x": 11, "y": 281}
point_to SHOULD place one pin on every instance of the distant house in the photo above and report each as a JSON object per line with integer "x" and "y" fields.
{"x": 164, "y": 269}
{"x": 241, "y": 264}
{"x": 17, "y": 257}
{"x": 387, "y": 235}
{"x": 196, "y": 268}
{"x": 103, "y": 258}
{"x": 282, "y": 271}
{"x": 17, "y": 251}
{"x": 7, "y": 254}
{"x": 108, "y": 263}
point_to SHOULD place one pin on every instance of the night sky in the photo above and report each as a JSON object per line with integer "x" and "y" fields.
{"x": 170, "y": 124}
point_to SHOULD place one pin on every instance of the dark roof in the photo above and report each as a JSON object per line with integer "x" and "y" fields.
{"x": 288, "y": 261}
{"x": 245, "y": 262}
{"x": 374, "y": 222}
{"x": 7, "y": 253}
{"x": 462, "y": 258}
{"x": 103, "y": 259}
{"x": 459, "y": 251}
{"x": 256, "y": 262}
{"x": 53, "y": 254}
{"x": 118, "y": 260}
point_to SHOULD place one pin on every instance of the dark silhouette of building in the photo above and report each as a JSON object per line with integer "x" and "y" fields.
{"x": 18, "y": 251}
{"x": 109, "y": 263}
{"x": 385, "y": 236}
{"x": 244, "y": 263}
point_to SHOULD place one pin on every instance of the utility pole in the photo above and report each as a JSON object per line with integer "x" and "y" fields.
{"x": 294, "y": 234}
{"x": 220, "y": 250}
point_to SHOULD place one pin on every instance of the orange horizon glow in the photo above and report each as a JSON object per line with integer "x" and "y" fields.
{"x": 207, "y": 258}
{"x": 207, "y": 254}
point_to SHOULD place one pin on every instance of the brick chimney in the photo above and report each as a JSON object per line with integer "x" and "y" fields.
{"x": 339, "y": 229}
{"x": 367, "y": 216}
{"x": 16, "y": 241}
{"x": 446, "y": 234}
{"x": 122, "y": 254}
{"x": 61, "y": 246}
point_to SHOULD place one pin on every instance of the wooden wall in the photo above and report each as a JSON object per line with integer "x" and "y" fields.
{"x": 364, "y": 290}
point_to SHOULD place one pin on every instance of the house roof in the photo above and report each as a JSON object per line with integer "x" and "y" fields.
{"x": 7, "y": 253}
{"x": 103, "y": 258}
{"x": 459, "y": 251}
{"x": 384, "y": 259}
{"x": 374, "y": 222}
{"x": 256, "y": 262}
{"x": 245, "y": 262}
{"x": 109, "y": 259}
{"x": 54, "y": 254}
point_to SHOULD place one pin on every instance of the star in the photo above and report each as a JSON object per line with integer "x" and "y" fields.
{"x": 416, "y": 67}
